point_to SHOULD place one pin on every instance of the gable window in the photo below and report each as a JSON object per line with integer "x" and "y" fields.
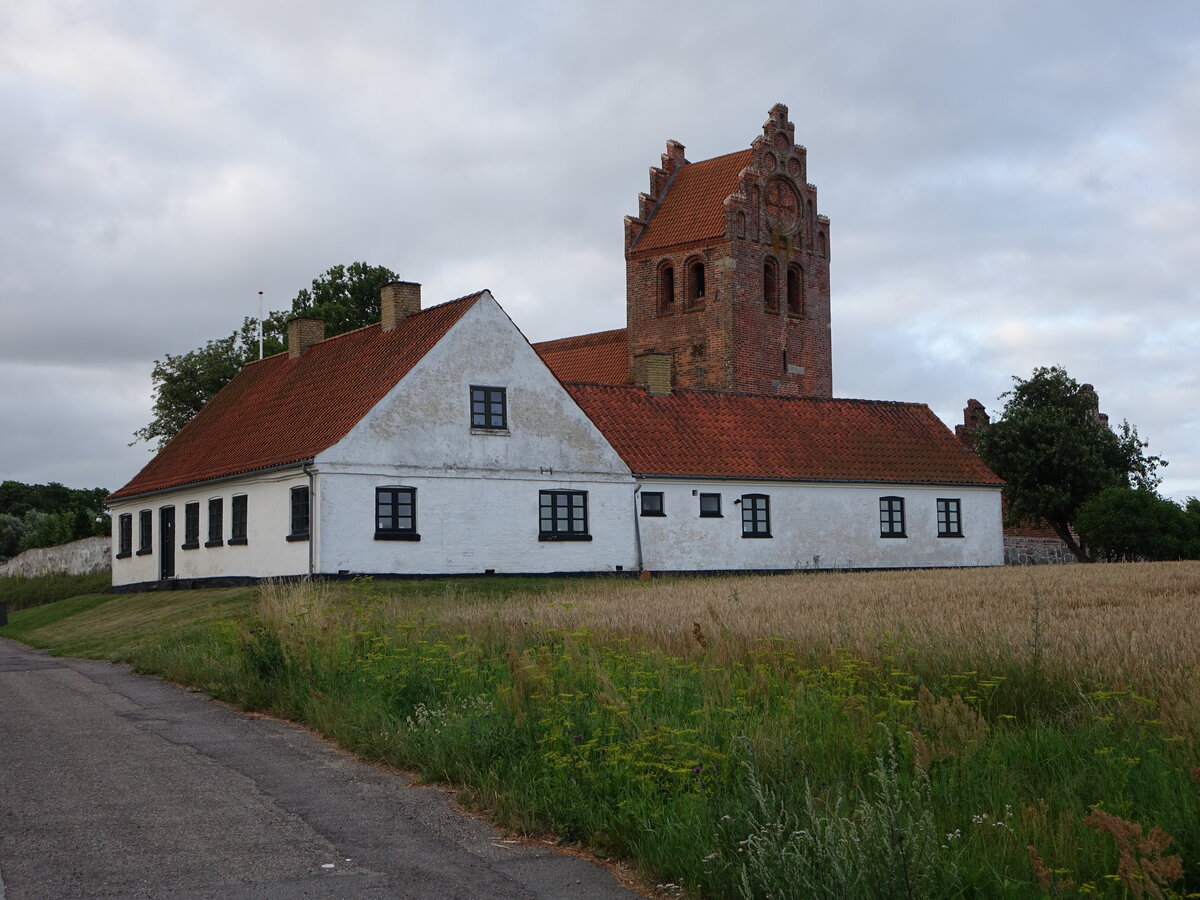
{"x": 949, "y": 516}
{"x": 795, "y": 291}
{"x": 237, "y": 524}
{"x": 756, "y": 516}
{"x": 488, "y": 407}
{"x": 652, "y": 503}
{"x": 125, "y": 535}
{"x": 710, "y": 505}
{"x": 396, "y": 514}
{"x": 145, "y": 532}
{"x": 771, "y": 286}
{"x": 216, "y": 522}
{"x": 666, "y": 290}
{"x": 891, "y": 517}
{"x": 299, "y": 514}
{"x": 191, "y": 526}
{"x": 563, "y": 516}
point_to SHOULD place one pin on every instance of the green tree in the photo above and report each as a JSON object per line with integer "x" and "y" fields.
{"x": 1124, "y": 523}
{"x": 346, "y": 297}
{"x": 1055, "y": 453}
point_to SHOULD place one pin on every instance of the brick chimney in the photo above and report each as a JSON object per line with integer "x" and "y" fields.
{"x": 397, "y": 301}
{"x": 303, "y": 332}
{"x": 975, "y": 420}
{"x": 653, "y": 372}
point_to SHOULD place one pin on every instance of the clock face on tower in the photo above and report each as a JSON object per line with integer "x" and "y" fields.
{"x": 782, "y": 205}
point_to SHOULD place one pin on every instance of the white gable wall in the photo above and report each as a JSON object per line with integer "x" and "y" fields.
{"x": 816, "y": 525}
{"x": 477, "y": 490}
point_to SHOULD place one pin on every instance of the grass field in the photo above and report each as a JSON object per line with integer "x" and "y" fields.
{"x": 978, "y": 733}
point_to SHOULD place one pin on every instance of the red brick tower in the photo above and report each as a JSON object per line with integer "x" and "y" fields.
{"x": 727, "y": 270}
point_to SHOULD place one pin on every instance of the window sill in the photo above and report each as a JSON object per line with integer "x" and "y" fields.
{"x": 705, "y": 515}
{"x": 564, "y": 537}
{"x": 397, "y": 536}
{"x": 950, "y": 535}
{"x": 145, "y": 551}
{"x": 214, "y": 543}
{"x": 237, "y": 542}
{"x": 755, "y": 535}
{"x": 194, "y": 545}
{"x": 890, "y": 536}
{"x": 296, "y": 537}
{"x": 481, "y": 430}
{"x": 125, "y": 555}
{"x": 652, "y": 515}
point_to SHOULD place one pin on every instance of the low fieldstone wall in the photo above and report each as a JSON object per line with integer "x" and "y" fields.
{"x": 80, "y": 557}
{"x": 1028, "y": 551}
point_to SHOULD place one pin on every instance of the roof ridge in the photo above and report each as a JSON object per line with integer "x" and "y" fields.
{"x": 753, "y": 394}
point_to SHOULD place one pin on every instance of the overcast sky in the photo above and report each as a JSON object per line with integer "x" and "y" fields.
{"x": 1010, "y": 184}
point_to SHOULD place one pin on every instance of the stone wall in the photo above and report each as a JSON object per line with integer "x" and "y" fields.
{"x": 76, "y": 558}
{"x": 1032, "y": 551}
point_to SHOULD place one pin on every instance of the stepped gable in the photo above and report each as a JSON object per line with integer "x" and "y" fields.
{"x": 693, "y": 206}
{"x": 599, "y": 357}
{"x": 704, "y": 434}
{"x": 280, "y": 411}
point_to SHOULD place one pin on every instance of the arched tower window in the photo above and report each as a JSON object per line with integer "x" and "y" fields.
{"x": 695, "y": 282}
{"x": 666, "y": 289}
{"x": 795, "y": 290}
{"x": 822, "y": 246}
{"x": 771, "y": 285}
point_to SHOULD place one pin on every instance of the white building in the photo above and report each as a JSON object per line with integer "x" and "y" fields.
{"x": 701, "y": 437}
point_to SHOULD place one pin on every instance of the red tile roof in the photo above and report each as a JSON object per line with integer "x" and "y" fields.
{"x": 692, "y": 209}
{"x": 599, "y": 357}
{"x": 279, "y": 411}
{"x": 724, "y": 435}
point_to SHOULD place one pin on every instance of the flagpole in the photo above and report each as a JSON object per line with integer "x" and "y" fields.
{"x": 260, "y": 326}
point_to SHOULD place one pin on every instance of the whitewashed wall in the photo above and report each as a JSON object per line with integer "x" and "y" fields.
{"x": 268, "y": 521}
{"x": 477, "y": 490}
{"x": 817, "y": 526}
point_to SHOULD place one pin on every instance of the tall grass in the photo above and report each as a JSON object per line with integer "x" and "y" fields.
{"x": 19, "y": 592}
{"x": 896, "y": 734}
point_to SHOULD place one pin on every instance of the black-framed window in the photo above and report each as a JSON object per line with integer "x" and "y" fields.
{"x": 489, "y": 407}
{"x": 299, "y": 514}
{"x": 652, "y": 503}
{"x": 145, "y": 532}
{"x": 756, "y": 516}
{"x": 124, "y": 535}
{"x": 396, "y": 514}
{"x": 710, "y": 505}
{"x": 238, "y": 512}
{"x": 891, "y": 517}
{"x": 562, "y": 516}
{"x": 949, "y": 516}
{"x": 216, "y": 522}
{"x": 191, "y": 526}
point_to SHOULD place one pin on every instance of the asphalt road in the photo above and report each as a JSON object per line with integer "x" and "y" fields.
{"x": 118, "y": 785}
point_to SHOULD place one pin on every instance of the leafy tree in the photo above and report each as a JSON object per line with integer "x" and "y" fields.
{"x": 26, "y": 511}
{"x": 1055, "y": 453}
{"x": 346, "y": 297}
{"x": 1124, "y": 523}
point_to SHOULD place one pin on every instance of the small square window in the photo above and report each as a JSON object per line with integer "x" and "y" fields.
{"x": 396, "y": 514}
{"x": 652, "y": 503}
{"x": 949, "y": 516}
{"x": 710, "y": 505}
{"x": 756, "y": 516}
{"x": 562, "y": 516}
{"x": 891, "y": 517}
{"x": 489, "y": 407}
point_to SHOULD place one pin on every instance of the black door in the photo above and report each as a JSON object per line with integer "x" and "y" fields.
{"x": 166, "y": 537}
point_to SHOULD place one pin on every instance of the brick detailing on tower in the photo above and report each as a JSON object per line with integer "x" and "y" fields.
{"x": 727, "y": 270}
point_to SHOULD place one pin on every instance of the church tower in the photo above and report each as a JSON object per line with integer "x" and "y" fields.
{"x": 727, "y": 271}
